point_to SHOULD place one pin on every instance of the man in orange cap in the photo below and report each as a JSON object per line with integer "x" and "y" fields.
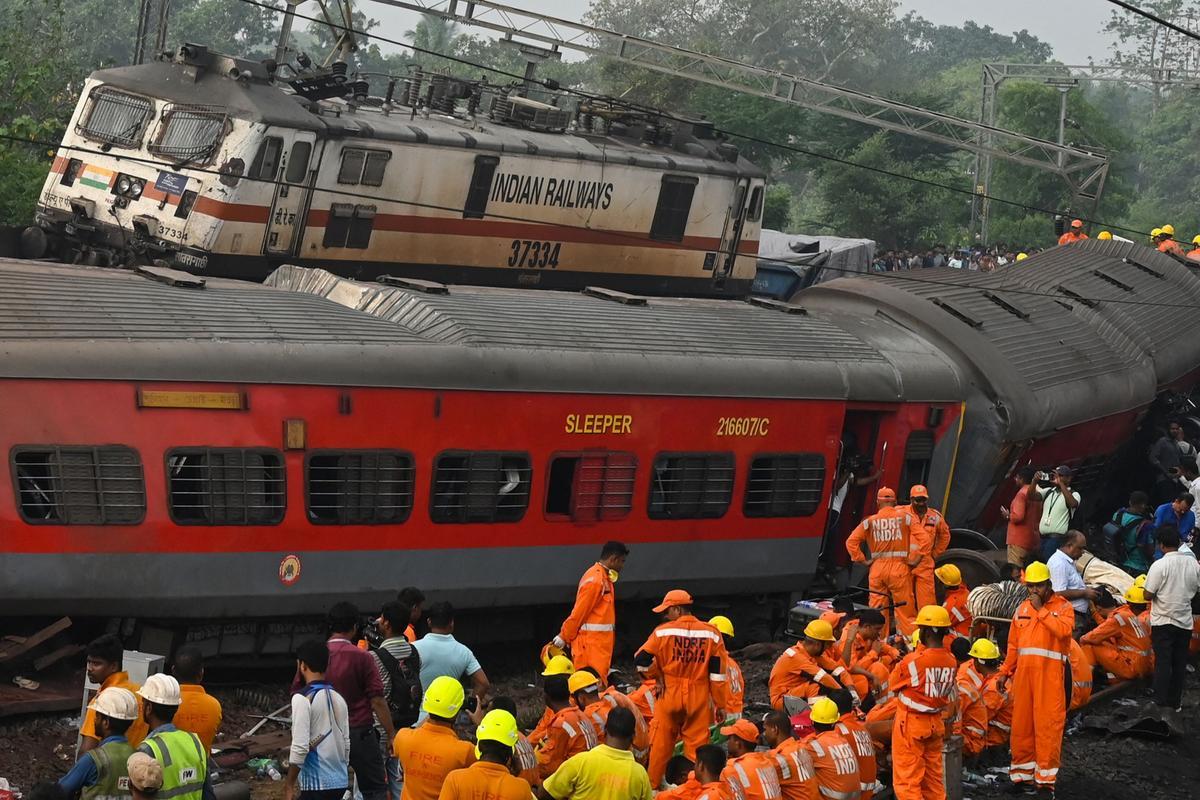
{"x": 932, "y": 536}
{"x": 750, "y": 775}
{"x": 589, "y": 630}
{"x": 893, "y": 554}
{"x": 687, "y": 657}
{"x": 1039, "y": 642}
{"x": 1074, "y": 234}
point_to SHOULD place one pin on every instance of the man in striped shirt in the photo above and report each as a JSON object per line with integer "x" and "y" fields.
{"x": 319, "y": 758}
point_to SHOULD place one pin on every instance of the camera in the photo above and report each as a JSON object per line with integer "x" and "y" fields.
{"x": 471, "y": 704}
{"x": 370, "y": 632}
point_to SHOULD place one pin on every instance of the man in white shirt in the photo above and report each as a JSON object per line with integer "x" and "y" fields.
{"x": 1059, "y": 504}
{"x": 319, "y": 758}
{"x": 1171, "y": 584}
{"x": 1189, "y": 476}
{"x": 1066, "y": 580}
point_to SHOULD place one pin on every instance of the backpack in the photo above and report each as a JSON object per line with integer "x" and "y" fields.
{"x": 404, "y": 698}
{"x": 1116, "y": 536}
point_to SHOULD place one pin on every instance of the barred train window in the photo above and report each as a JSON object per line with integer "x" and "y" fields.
{"x": 691, "y": 485}
{"x": 116, "y": 117}
{"x": 226, "y": 486}
{"x": 591, "y": 486}
{"x": 480, "y": 487}
{"x": 359, "y": 487}
{"x": 79, "y": 485}
{"x": 784, "y": 485}
{"x": 189, "y": 133}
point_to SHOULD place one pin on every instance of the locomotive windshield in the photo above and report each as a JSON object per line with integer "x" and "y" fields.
{"x": 116, "y": 117}
{"x": 189, "y": 133}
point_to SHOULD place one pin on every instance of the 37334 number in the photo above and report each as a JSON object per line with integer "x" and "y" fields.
{"x": 534, "y": 254}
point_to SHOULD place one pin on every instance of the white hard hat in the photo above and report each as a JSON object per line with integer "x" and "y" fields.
{"x": 116, "y": 703}
{"x": 161, "y": 689}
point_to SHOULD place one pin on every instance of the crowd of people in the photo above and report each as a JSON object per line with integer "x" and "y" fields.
{"x": 975, "y": 259}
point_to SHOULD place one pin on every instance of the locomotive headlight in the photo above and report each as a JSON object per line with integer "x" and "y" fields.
{"x": 135, "y": 187}
{"x": 123, "y": 185}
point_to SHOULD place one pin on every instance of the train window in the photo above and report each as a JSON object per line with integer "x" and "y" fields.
{"x": 361, "y": 225}
{"x": 480, "y": 487}
{"x": 226, "y": 486}
{"x": 189, "y": 134}
{"x": 784, "y": 485}
{"x": 674, "y": 205}
{"x": 377, "y": 161}
{"x": 297, "y": 165}
{"x": 480, "y": 187}
{"x": 363, "y": 166}
{"x": 359, "y": 487}
{"x": 691, "y": 485}
{"x": 116, "y": 117}
{"x": 79, "y": 485}
{"x": 918, "y": 455}
{"x": 756, "y": 204}
{"x": 591, "y": 486}
{"x": 349, "y": 226}
{"x": 266, "y": 161}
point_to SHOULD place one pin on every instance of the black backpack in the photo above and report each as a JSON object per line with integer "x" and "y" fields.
{"x": 1115, "y": 536}
{"x": 404, "y": 699}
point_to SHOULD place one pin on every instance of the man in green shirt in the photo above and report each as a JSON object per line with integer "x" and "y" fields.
{"x": 606, "y": 772}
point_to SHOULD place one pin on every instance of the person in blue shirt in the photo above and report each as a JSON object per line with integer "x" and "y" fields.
{"x": 100, "y": 772}
{"x": 443, "y": 655}
{"x": 1179, "y": 513}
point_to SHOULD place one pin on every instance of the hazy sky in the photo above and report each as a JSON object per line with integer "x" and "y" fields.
{"x": 1072, "y": 27}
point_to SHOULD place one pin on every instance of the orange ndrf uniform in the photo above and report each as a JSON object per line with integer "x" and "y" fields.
{"x": 1081, "y": 676}
{"x": 877, "y": 657}
{"x": 855, "y": 733}
{"x": 525, "y": 758}
{"x": 794, "y": 766}
{"x": 956, "y": 604}
{"x": 889, "y": 538}
{"x": 689, "y": 656}
{"x": 835, "y": 764}
{"x": 570, "y": 733}
{"x": 428, "y": 753}
{"x": 1038, "y": 650}
{"x": 972, "y": 724}
{"x": 598, "y": 713}
{"x": 645, "y": 697}
{"x": 797, "y": 674}
{"x": 539, "y": 731}
{"x": 688, "y": 790}
{"x": 718, "y": 790}
{"x": 1121, "y": 644}
{"x": 752, "y": 777}
{"x": 590, "y": 627}
{"x": 483, "y": 780}
{"x": 932, "y": 537}
{"x": 1170, "y": 246}
{"x": 924, "y": 683}
{"x": 735, "y": 700}
{"x": 999, "y": 709}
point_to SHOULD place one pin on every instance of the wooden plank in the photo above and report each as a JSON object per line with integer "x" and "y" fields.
{"x": 54, "y": 656}
{"x": 14, "y": 701}
{"x": 9, "y": 652}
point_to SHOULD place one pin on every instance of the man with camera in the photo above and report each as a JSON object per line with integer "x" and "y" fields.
{"x": 1059, "y": 504}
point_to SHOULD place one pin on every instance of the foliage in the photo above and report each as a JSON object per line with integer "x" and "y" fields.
{"x": 777, "y": 207}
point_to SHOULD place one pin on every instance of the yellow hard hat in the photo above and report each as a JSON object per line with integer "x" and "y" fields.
{"x": 1157, "y": 232}
{"x": 985, "y": 650}
{"x": 1196, "y": 240}
{"x": 723, "y": 624}
{"x": 915, "y": 639}
{"x": 497, "y": 726}
{"x": 1140, "y": 581}
{"x": 1022, "y": 256}
{"x": 443, "y": 698}
{"x": 1104, "y": 235}
{"x": 820, "y": 630}
{"x": 1037, "y": 572}
{"x": 1135, "y": 594}
{"x": 581, "y": 680}
{"x": 1169, "y": 230}
{"x": 933, "y": 617}
{"x": 559, "y": 665}
{"x": 949, "y": 575}
{"x": 549, "y": 651}
{"x": 825, "y": 711}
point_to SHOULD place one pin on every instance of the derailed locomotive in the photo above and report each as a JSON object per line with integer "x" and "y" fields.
{"x": 216, "y": 165}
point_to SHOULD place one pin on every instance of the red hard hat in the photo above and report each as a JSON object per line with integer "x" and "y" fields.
{"x": 1076, "y": 223}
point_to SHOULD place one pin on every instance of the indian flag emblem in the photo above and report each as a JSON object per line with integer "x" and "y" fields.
{"x": 96, "y": 177}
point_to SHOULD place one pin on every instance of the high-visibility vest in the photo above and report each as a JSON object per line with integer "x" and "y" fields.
{"x": 112, "y": 780}
{"x": 184, "y": 764}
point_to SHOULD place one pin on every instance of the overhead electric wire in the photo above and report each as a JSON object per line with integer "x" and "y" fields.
{"x": 555, "y": 86}
{"x": 904, "y": 275}
{"x": 1141, "y": 12}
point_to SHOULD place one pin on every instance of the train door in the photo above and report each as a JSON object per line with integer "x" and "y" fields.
{"x": 297, "y": 156}
{"x": 731, "y": 237}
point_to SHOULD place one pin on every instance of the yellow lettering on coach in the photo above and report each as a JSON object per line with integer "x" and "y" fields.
{"x": 590, "y": 424}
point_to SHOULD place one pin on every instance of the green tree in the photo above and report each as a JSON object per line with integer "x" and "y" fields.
{"x": 777, "y": 207}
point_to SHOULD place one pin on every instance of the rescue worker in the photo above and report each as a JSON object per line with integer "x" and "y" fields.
{"x": 1038, "y": 648}
{"x": 489, "y": 777}
{"x": 793, "y": 764}
{"x": 611, "y": 698}
{"x": 1121, "y": 643}
{"x": 524, "y": 758}
{"x": 893, "y": 554}
{"x": 972, "y": 677}
{"x": 606, "y": 772}
{"x": 200, "y": 712}
{"x": 833, "y": 758}
{"x": 1081, "y": 676}
{"x": 568, "y": 733}
{"x": 805, "y": 670}
{"x": 932, "y": 537}
{"x": 998, "y": 699}
{"x": 750, "y": 775}
{"x": 1167, "y": 243}
{"x": 432, "y": 750}
{"x": 1104, "y": 236}
{"x": 105, "y": 655}
{"x": 924, "y": 683}
{"x": 557, "y": 664}
{"x": 736, "y": 685}
{"x": 870, "y": 652}
{"x": 710, "y": 763}
{"x": 100, "y": 773}
{"x": 645, "y": 697}
{"x": 590, "y": 628}
{"x": 850, "y": 726}
{"x": 1021, "y": 257}
{"x": 1194, "y": 253}
{"x": 1074, "y": 233}
{"x": 955, "y": 598}
{"x": 183, "y": 758}
{"x": 687, "y": 657}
